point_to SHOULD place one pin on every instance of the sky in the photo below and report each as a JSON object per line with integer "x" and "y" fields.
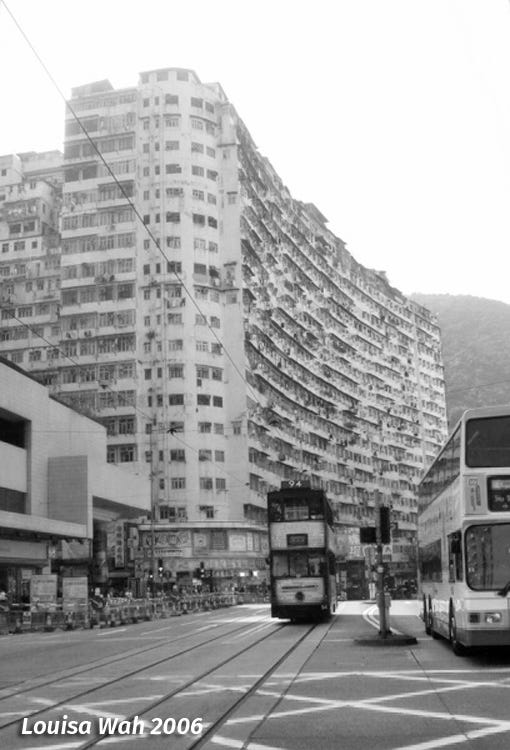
{"x": 392, "y": 116}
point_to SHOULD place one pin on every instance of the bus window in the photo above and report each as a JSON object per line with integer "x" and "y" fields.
{"x": 455, "y": 572}
{"x": 488, "y": 442}
{"x": 488, "y": 556}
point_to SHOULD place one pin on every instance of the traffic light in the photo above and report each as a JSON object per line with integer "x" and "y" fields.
{"x": 151, "y": 575}
{"x": 160, "y": 566}
{"x": 201, "y": 572}
{"x": 367, "y": 535}
{"x": 385, "y": 524}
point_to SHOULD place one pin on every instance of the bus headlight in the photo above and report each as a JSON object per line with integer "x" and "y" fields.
{"x": 493, "y": 617}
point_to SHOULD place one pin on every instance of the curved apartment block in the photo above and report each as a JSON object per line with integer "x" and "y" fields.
{"x": 223, "y": 335}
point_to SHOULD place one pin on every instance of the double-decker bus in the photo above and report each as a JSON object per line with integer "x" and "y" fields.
{"x": 302, "y": 552}
{"x": 464, "y": 533}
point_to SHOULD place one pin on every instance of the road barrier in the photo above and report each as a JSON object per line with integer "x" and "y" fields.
{"x": 114, "y": 611}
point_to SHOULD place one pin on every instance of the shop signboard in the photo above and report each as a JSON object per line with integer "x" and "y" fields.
{"x": 75, "y": 593}
{"x": 43, "y": 591}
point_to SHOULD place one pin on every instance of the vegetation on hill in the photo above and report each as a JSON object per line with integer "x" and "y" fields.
{"x": 475, "y": 335}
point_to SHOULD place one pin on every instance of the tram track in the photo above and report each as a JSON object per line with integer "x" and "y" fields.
{"x": 212, "y": 727}
{"x": 102, "y": 663}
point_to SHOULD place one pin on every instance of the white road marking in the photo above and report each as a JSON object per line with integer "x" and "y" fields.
{"x": 112, "y": 632}
{"x": 240, "y": 744}
{"x": 124, "y": 700}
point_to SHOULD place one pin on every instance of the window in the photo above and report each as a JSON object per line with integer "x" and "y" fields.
{"x": 219, "y": 456}
{"x": 204, "y": 454}
{"x": 171, "y": 145}
{"x": 212, "y": 222}
{"x": 197, "y": 171}
{"x": 216, "y": 373}
{"x": 199, "y": 219}
{"x": 196, "y": 102}
{"x": 197, "y": 148}
{"x": 174, "y": 266}
{"x": 202, "y": 346}
{"x": 173, "y": 217}
{"x": 147, "y": 374}
{"x": 206, "y": 483}
{"x": 178, "y": 483}
{"x": 171, "y": 99}
{"x": 126, "y": 453}
{"x": 198, "y": 195}
{"x": 207, "y": 510}
{"x": 175, "y": 318}
{"x": 176, "y": 399}
{"x": 202, "y": 372}
{"x": 221, "y": 485}
{"x": 217, "y": 401}
{"x": 174, "y": 242}
{"x": 173, "y": 169}
{"x": 215, "y": 322}
{"x": 178, "y": 454}
{"x": 172, "y": 122}
{"x": 236, "y": 428}
{"x": 203, "y": 399}
{"x": 197, "y": 124}
{"x": 219, "y": 429}
{"x": 204, "y": 427}
{"x": 176, "y": 371}
{"x": 175, "y": 344}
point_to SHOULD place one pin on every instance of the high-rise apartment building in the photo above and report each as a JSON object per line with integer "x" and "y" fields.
{"x": 225, "y": 337}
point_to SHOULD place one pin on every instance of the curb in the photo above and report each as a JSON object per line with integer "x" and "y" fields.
{"x": 391, "y": 640}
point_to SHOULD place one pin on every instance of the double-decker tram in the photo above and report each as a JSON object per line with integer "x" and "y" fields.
{"x": 464, "y": 533}
{"x": 302, "y": 552}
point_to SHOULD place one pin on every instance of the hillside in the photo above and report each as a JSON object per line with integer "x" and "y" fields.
{"x": 476, "y": 349}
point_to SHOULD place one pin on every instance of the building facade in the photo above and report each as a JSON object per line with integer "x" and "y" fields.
{"x": 222, "y": 334}
{"x": 59, "y": 499}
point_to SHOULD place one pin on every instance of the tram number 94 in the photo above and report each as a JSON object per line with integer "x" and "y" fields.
{"x": 179, "y": 726}
{"x": 292, "y": 483}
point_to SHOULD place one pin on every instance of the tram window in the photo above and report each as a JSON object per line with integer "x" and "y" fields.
{"x": 296, "y": 509}
{"x": 316, "y": 508}
{"x": 298, "y": 565}
{"x": 275, "y": 511}
{"x": 316, "y": 566}
{"x": 280, "y": 566}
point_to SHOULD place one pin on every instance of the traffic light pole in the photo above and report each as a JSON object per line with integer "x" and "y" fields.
{"x": 384, "y": 630}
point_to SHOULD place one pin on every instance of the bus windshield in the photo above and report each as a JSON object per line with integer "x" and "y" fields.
{"x": 488, "y": 442}
{"x": 488, "y": 556}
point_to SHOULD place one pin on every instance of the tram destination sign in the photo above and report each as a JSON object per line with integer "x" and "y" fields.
{"x": 297, "y": 540}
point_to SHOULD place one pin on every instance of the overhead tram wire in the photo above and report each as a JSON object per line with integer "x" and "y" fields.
{"x": 107, "y": 387}
{"x": 128, "y": 199}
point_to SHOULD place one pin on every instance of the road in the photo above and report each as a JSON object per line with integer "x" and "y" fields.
{"x": 235, "y": 678}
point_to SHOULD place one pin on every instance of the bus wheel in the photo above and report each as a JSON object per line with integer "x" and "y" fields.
{"x": 457, "y": 648}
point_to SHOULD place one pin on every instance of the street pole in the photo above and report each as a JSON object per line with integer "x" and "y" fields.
{"x": 153, "y": 511}
{"x": 381, "y": 599}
